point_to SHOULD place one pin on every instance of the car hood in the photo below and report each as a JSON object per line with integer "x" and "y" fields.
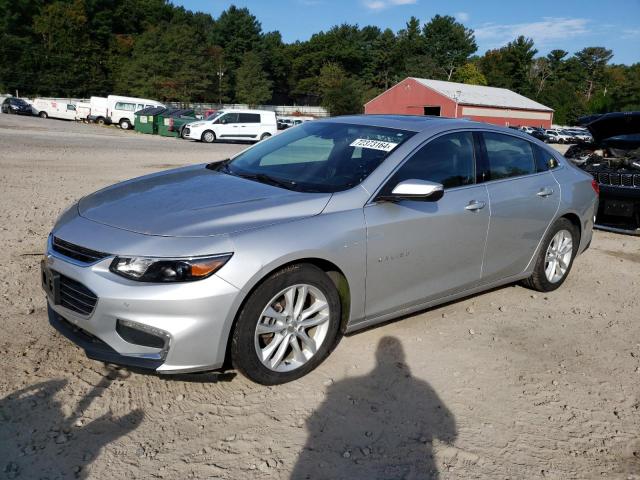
{"x": 196, "y": 202}
{"x": 609, "y": 125}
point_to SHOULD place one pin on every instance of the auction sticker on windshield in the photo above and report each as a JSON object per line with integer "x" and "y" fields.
{"x": 373, "y": 144}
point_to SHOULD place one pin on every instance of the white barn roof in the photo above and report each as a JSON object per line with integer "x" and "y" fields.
{"x": 480, "y": 95}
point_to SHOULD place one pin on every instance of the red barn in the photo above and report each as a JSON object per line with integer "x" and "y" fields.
{"x": 420, "y": 96}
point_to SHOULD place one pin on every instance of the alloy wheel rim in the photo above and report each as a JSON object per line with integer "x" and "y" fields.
{"x": 292, "y": 328}
{"x": 558, "y": 256}
{"x": 208, "y": 137}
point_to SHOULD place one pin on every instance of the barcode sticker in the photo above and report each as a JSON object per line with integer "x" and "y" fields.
{"x": 373, "y": 144}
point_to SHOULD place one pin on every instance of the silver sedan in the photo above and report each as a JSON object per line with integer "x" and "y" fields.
{"x": 263, "y": 261}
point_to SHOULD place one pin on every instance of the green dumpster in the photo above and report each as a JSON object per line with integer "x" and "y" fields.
{"x": 170, "y": 122}
{"x": 145, "y": 119}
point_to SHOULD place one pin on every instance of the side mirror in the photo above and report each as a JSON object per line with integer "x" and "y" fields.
{"x": 417, "y": 190}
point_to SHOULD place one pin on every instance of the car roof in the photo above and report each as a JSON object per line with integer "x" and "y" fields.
{"x": 419, "y": 123}
{"x": 244, "y": 110}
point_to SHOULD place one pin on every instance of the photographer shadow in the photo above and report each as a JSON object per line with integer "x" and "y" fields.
{"x": 379, "y": 425}
{"x": 37, "y": 439}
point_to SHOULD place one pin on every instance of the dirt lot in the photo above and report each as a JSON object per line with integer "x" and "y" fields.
{"x": 506, "y": 384}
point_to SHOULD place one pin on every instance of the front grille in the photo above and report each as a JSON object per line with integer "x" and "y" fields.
{"x": 76, "y": 297}
{"x": 630, "y": 180}
{"x": 82, "y": 254}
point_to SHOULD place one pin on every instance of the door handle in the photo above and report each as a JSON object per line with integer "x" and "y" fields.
{"x": 475, "y": 205}
{"x": 545, "y": 192}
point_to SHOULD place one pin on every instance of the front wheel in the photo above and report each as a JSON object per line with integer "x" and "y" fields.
{"x": 555, "y": 259}
{"x": 208, "y": 137}
{"x": 287, "y": 326}
{"x": 43, "y": 115}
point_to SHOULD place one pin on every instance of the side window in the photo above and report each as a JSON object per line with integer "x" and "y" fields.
{"x": 71, "y": 107}
{"x": 448, "y": 160}
{"x": 508, "y": 156}
{"x": 544, "y": 160}
{"x": 129, "y": 107}
{"x": 249, "y": 118}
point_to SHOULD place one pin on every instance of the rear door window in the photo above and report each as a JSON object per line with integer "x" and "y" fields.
{"x": 544, "y": 160}
{"x": 249, "y": 118}
{"x": 508, "y": 156}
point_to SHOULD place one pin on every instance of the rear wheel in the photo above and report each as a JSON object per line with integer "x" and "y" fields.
{"x": 265, "y": 136}
{"x": 555, "y": 259}
{"x": 208, "y": 137}
{"x": 43, "y": 115}
{"x": 100, "y": 121}
{"x": 287, "y": 326}
{"x": 125, "y": 124}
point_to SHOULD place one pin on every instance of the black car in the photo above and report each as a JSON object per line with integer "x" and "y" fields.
{"x": 538, "y": 133}
{"x": 614, "y": 161}
{"x": 17, "y": 106}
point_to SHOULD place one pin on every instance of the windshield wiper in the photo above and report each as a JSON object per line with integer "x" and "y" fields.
{"x": 264, "y": 178}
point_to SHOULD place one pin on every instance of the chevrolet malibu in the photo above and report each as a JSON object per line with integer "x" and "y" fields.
{"x": 265, "y": 260}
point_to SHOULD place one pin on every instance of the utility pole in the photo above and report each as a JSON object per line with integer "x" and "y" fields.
{"x": 220, "y": 74}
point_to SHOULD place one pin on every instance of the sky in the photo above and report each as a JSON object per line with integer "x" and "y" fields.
{"x": 567, "y": 25}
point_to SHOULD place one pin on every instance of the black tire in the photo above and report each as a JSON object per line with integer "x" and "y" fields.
{"x": 43, "y": 115}
{"x": 538, "y": 279}
{"x": 265, "y": 136}
{"x": 125, "y": 124}
{"x": 208, "y": 136}
{"x": 243, "y": 353}
{"x": 100, "y": 121}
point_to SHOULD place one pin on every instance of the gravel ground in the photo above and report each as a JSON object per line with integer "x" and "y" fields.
{"x": 506, "y": 384}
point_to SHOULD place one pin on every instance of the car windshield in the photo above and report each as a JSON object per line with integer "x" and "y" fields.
{"x": 318, "y": 156}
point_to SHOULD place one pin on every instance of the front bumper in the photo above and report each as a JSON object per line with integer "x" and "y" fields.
{"x": 619, "y": 210}
{"x": 194, "y": 318}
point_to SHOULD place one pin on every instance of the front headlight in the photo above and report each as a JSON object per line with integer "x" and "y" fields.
{"x": 163, "y": 270}
{"x": 197, "y": 124}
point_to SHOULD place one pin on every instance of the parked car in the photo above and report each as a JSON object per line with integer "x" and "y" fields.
{"x": 16, "y": 106}
{"x": 121, "y": 110}
{"x": 62, "y": 109}
{"x": 264, "y": 260}
{"x": 539, "y": 133}
{"x": 252, "y": 125}
{"x": 556, "y": 136}
{"x": 580, "y": 135}
{"x": 613, "y": 159}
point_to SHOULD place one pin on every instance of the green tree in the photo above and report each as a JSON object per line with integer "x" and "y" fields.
{"x": 252, "y": 85}
{"x": 448, "y": 43}
{"x": 341, "y": 94}
{"x": 470, "y": 73}
{"x": 593, "y": 60}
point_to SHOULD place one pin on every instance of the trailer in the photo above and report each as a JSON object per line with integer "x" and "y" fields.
{"x": 98, "y": 110}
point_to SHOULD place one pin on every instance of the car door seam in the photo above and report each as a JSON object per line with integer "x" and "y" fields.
{"x": 486, "y": 236}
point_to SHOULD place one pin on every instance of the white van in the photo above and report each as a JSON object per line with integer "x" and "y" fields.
{"x": 121, "y": 110}
{"x": 55, "y": 108}
{"x": 83, "y": 110}
{"x": 98, "y": 113}
{"x": 253, "y": 125}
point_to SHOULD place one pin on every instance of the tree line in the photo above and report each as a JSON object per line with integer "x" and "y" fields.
{"x": 151, "y": 48}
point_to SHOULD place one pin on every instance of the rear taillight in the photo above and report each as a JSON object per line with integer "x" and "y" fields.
{"x": 171, "y": 124}
{"x": 596, "y": 187}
